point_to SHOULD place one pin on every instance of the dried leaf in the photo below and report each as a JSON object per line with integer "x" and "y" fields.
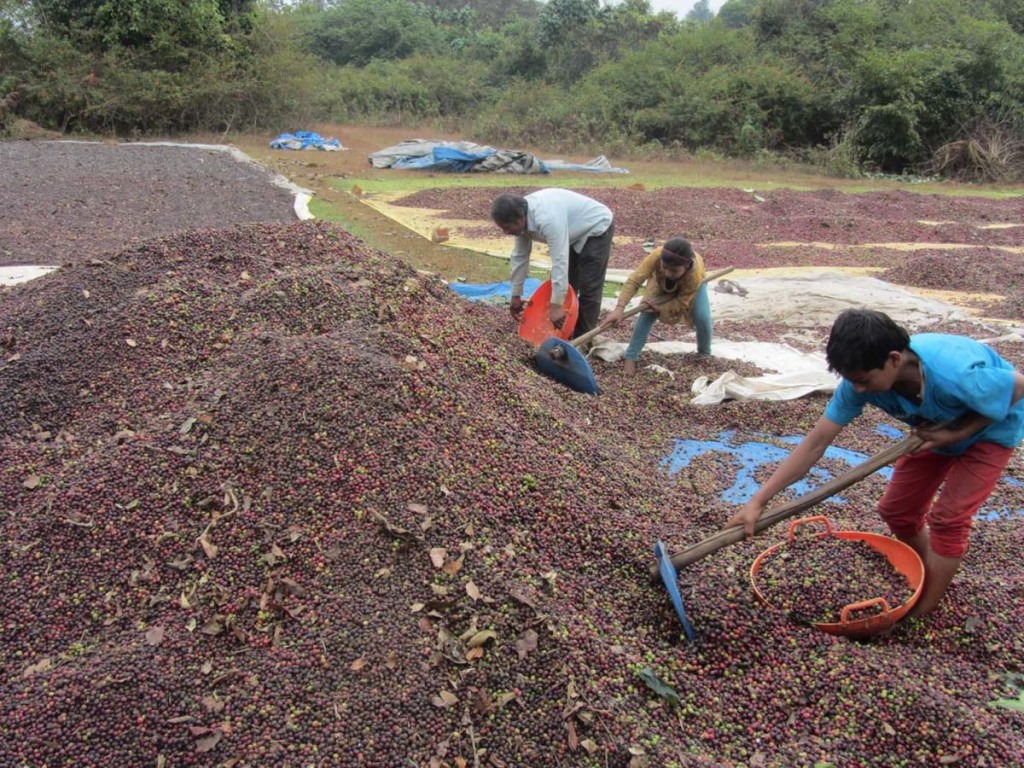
{"x": 590, "y": 745}
{"x": 445, "y": 699}
{"x": 214, "y": 626}
{"x": 527, "y": 643}
{"x": 504, "y": 699}
{"x": 40, "y": 666}
{"x": 481, "y": 637}
{"x": 474, "y": 653}
{"x": 131, "y": 342}
{"x": 32, "y": 481}
{"x": 949, "y": 759}
{"x": 574, "y": 741}
{"x": 417, "y": 607}
{"x": 208, "y": 546}
{"x": 154, "y": 635}
{"x": 213, "y": 704}
{"x": 438, "y": 556}
{"x": 419, "y": 509}
{"x": 889, "y": 730}
{"x": 186, "y": 425}
{"x": 454, "y": 566}
{"x": 472, "y": 590}
{"x": 357, "y": 665}
{"x": 207, "y": 743}
{"x": 292, "y": 587}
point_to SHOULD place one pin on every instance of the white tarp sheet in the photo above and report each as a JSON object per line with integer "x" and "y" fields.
{"x": 806, "y": 302}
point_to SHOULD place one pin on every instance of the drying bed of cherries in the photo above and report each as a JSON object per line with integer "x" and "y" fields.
{"x": 273, "y": 498}
{"x": 65, "y": 201}
{"x": 978, "y": 241}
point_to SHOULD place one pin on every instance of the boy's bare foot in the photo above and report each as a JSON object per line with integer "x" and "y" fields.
{"x": 630, "y": 367}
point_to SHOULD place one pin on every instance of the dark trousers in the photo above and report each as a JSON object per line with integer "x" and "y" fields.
{"x": 586, "y": 275}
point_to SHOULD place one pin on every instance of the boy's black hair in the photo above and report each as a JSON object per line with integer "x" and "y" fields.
{"x": 508, "y": 209}
{"x": 861, "y": 340}
{"x": 677, "y": 252}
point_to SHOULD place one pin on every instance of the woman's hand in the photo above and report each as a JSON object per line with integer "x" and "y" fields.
{"x": 613, "y": 318}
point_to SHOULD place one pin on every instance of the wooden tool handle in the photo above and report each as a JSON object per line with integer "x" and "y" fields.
{"x": 728, "y": 536}
{"x": 581, "y": 340}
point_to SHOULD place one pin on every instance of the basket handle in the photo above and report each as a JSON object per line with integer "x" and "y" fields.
{"x": 844, "y": 615}
{"x": 812, "y": 519}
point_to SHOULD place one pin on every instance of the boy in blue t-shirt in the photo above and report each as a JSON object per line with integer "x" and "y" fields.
{"x": 961, "y": 398}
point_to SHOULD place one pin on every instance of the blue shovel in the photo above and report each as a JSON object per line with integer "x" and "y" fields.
{"x": 671, "y": 579}
{"x": 563, "y": 361}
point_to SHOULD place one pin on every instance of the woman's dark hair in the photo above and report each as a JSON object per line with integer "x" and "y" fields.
{"x": 677, "y": 252}
{"x": 508, "y": 209}
{"x": 861, "y": 340}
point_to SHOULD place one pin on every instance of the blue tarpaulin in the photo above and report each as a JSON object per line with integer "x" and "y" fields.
{"x": 304, "y": 140}
{"x": 493, "y": 291}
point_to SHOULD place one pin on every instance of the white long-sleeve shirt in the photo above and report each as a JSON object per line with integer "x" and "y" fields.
{"x": 563, "y": 219}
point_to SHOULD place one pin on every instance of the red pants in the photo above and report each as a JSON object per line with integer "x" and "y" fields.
{"x": 969, "y": 479}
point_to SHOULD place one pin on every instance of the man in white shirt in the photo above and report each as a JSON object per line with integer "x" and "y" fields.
{"x": 578, "y": 232}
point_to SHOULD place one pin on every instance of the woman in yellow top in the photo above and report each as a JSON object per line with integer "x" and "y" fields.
{"x": 674, "y": 293}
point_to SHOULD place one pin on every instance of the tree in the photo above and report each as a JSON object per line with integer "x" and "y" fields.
{"x": 737, "y": 13}
{"x": 357, "y": 32}
{"x": 701, "y": 13}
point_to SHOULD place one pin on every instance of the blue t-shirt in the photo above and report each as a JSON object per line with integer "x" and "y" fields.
{"x": 960, "y": 375}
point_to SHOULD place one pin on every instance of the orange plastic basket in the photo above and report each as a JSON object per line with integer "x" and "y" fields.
{"x": 536, "y": 326}
{"x": 903, "y": 558}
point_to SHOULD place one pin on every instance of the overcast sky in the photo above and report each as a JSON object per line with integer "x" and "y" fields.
{"x": 682, "y": 7}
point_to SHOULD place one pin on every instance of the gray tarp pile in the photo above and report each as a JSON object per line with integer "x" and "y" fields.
{"x": 467, "y": 157}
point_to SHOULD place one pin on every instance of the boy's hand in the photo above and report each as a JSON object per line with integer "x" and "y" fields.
{"x": 747, "y": 517}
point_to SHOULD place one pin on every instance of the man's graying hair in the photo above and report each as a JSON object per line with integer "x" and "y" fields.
{"x": 508, "y": 209}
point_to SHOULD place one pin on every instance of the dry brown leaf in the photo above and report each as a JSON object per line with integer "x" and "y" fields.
{"x": 213, "y": 704}
{"x": 574, "y": 740}
{"x": 213, "y": 626}
{"x": 474, "y": 653}
{"x": 445, "y": 699}
{"x": 454, "y": 566}
{"x": 527, "y": 643}
{"x": 207, "y": 743}
{"x": 357, "y": 665}
{"x": 590, "y": 745}
{"x": 32, "y": 481}
{"x": 40, "y": 666}
{"x": 131, "y": 342}
{"x": 472, "y": 589}
{"x": 438, "y": 556}
{"x": 154, "y": 635}
{"x": 392, "y": 660}
{"x": 208, "y": 546}
{"x": 419, "y": 509}
{"x": 481, "y": 637}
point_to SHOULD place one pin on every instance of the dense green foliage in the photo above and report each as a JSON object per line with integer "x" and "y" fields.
{"x": 885, "y": 85}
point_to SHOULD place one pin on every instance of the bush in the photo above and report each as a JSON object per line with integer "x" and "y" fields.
{"x": 990, "y": 152}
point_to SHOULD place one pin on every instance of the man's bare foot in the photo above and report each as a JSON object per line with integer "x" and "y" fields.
{"x": 630, "y": 367}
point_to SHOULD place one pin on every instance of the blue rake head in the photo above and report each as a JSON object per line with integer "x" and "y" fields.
{"x": 669, "y": 576}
